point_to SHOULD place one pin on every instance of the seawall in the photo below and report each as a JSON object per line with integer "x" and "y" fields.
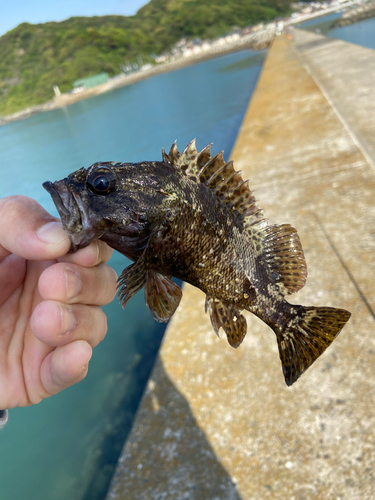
{"x": 218, "y": 423}
{"x": 357, "y": 14}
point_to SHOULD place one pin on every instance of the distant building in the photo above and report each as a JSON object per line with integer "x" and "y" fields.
{"x": 90, "y": 81}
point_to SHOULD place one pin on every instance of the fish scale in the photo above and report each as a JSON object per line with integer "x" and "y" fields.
{"x": 192, "y": 216}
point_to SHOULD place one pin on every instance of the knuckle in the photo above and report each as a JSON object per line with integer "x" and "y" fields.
{"x": 73, "y": 282}
{"x": 10, "y": 208}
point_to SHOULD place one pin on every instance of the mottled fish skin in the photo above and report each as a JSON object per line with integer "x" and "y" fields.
{"x": 192, "y": 216}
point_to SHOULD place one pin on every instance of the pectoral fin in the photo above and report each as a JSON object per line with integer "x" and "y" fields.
{"x": 131, "y": 280}
{"x": 226, "y": 315}
{"x": 162, "y": 296}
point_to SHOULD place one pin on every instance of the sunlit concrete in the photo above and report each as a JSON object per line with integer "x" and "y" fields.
{"x": 219, "y": 424}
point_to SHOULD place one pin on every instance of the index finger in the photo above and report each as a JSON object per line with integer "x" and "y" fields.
{"x": 90, "y": 256}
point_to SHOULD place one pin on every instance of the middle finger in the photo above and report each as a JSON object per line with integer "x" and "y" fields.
{"x": 74, "y": 284}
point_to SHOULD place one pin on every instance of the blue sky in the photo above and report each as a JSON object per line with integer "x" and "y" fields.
{"x": 14, "y": 12}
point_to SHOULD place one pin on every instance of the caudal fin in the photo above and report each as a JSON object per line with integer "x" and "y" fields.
{"x": 306, "y": 336}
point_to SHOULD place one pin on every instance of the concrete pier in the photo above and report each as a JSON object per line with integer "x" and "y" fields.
{"x": 220, "y": 424}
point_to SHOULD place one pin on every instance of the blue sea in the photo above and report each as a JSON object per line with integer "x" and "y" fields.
{"x": 66, "y": 447}
{"x": 360, "y": 33}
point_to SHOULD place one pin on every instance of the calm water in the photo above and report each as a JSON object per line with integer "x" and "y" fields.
{"x": 361, "y": 33}
{"x": 66, "y": 447}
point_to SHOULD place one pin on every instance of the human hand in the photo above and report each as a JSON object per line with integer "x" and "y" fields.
{"x": 50, "y": 316}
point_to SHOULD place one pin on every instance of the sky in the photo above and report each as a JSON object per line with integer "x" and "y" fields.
{"x": 15, "y": 12}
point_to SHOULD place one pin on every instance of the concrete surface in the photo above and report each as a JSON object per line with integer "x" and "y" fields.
{"x": 346, "y": 77}
{"x": 220, "y": 424}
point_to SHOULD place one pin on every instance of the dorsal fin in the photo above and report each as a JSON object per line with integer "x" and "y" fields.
{"x": 185, "y": 161}
{"x": 221, "y": 178}
{"x": 173, "y": 156}
{"x": 279, "y": 245}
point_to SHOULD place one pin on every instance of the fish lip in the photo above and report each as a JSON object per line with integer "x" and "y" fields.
{"x": 69, "y": 211}
{"x": 56, "y": 198}
{"x": 66, "y": 204}
{"x": 74, "y": 217}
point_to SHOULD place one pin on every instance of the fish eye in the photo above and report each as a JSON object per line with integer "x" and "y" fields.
{"x": 101, "y": 181}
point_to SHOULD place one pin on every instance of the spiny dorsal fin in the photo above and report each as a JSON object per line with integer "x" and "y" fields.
{"x": 280, "y": 245}
{"x": 282, "y": 251}
{"x": 185, "y": 161}
{"x": 173, "y": 155}
{"x": 188, "y": 158}
{"x": 221, "y": 178}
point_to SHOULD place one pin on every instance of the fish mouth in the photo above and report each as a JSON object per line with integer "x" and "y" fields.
{"x": 61, "y": 208}
{"x": 67, "y": 204}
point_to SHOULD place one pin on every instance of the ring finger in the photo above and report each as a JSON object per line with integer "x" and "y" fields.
{"x": 57, "y": 324}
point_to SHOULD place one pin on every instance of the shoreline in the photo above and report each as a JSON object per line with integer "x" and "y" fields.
{"x": 256, "y": 41}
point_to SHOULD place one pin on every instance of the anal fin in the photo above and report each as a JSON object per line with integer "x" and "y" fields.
{"x": 162, "y": 296}
{"x": 228, "y": 317}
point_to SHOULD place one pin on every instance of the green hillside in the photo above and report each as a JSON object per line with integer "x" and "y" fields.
{"x": 33, "y": 58}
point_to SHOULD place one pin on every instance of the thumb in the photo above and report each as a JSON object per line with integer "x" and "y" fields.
{"x": 29, "y": 231}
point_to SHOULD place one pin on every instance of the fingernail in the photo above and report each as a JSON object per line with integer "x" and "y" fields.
{"x": 73, "y": 283}
{"x": 52, "y": 233}
{"x": 68, "y": 320}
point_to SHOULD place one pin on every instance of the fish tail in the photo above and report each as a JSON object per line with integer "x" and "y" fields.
{"x": 305, "y": 336}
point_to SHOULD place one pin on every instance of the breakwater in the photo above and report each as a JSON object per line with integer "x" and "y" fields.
{"x": 220, "y": 423}
{"x": 357, "y": 14}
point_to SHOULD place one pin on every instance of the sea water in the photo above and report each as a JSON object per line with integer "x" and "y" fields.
{"x": 360, "y": 33}
{"x": 67, "y": 446}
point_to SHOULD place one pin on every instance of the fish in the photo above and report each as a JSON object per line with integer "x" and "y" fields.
{"x": 192, "y": 216}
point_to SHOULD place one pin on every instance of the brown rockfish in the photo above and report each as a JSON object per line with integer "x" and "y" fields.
{"x": 193, "y": 217}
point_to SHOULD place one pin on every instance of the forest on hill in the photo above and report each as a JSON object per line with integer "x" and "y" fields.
{"x": 34, "y": 57}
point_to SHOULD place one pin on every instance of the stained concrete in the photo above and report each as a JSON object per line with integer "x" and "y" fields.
{"x": 345, "y": 74}
{"x": 219, "y": 424}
